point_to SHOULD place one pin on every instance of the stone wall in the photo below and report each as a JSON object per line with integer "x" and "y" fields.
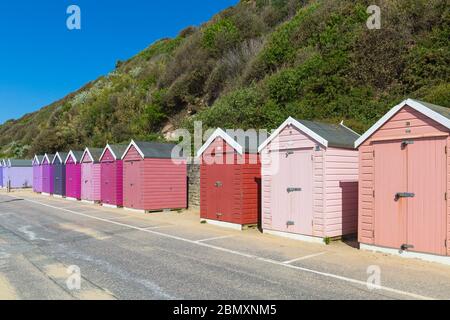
{"x": 194, "y": 185}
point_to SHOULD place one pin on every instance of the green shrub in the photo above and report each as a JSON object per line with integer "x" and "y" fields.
{"x": 220, "y": 36}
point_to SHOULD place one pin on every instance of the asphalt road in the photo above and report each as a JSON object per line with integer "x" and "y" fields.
{"x": 124, "y": 255}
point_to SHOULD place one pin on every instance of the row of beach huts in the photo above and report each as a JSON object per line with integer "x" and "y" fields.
{"x": 310, "y": 181}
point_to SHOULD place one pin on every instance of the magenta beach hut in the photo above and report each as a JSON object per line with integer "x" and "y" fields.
{"x": 90, "y": 175}
{"x": 310, "y": 181}
{"x": 73, "y": 175}
{"x": 47, "y": 174}
{"x": 37, "y": 173}
{"x": 112, "y": 175}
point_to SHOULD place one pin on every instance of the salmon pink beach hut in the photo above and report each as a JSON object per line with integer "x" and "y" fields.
{"x": 405, "y": 182}
{"x": 230, "y": 173}
{"x": 112, "y": 175}
{"x": 152, "y": 179}
{"x": 47, "y": 174}
{"x": 90, "y": 175}
{"x": 59, "y": 174}
{"x": 37, "y": 173}
{"x": 19, "y": 173}
{"x": 73, "y": 175}
{"x": 310, "y": 181}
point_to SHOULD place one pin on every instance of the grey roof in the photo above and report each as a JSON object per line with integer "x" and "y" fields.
{"x": 40, "y": 158}
{"x": 156, "y": 149}
{"x": 118, "y": 149}
{"x": 63, "y": 156}
{"x": 443, "y": 111}
{"x": 248, "y": 142}
{"x": 50, "y": 157}
{"x": 337, "y": 135}
{"x": 96, "y": 153}
{"x": 21, "y": 163}
{"x": 77, "y": 155}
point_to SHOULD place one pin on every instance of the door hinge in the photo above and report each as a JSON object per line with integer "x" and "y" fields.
{"x": 373, "y": 193}
{"x": 445, "y": 196}
{"x": 446, "y": 150}
{"x": 373, "y": 152}
{"x": 445, "y": 243}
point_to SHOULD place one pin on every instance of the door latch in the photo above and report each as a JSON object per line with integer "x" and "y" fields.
{"x": 290, "y": 223}
{"x": 218, "y": 184}
{"x": 289, "y": 190}
{"x": 288, "y": 153}
{"x": 407, "y": 142}
{"x": 406, "y": 247}
{"x": 219, "y": 214}
{"x": 404, "y": 195}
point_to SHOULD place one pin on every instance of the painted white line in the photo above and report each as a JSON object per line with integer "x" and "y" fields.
{"x": 242, "y": 254}
{"x": 304, "y": 257}
{"x": 159, "y": 227}
{"x": 215, "y": 238}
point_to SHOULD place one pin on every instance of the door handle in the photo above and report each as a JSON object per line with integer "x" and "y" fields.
{"x": 399, "y": 195}
{"x": 218, "y": 184}
{"x": 405, "y": 247}
{"x": 290, "y": 223}
{"x": 289, "y": 190}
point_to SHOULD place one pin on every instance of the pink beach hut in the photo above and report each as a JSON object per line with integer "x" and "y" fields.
{"x": 405, "y": 182}
{"x": 112, "y": 175}
{"x": 91, "y": 174}
{"x": 73, "y": 175}
{"x": 47, "y": 174}
{"x": 310, "y": 181}
{"x": 37, "y": 173}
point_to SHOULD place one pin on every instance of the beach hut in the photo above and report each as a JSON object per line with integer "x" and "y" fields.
{"x": 37, "y": 173}
{"x": 59, "y": 174}
{"x": 230, "y": 174}
{"x": 112, "y": 175}
{"x": 1, "y": 173}
{"x": 405, "y": 182}
{"x": 5, "y": 173}
{"x": 90, "y": 175}
{"x": 310, "y": 181}
{"x": 47, "y": 174}
{"x": 19, "y": 173}
{"x": 153, "y": 180}
{"x": 73, "y": 175}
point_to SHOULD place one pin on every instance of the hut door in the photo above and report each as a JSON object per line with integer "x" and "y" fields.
{"x": 132, "y": 174}
{"x": 292, "y": 195}
{"x": 221, "y": 186}
{"x": 300, "y": 191}
{"x": 108, "y": 188}
{"x": 390, "y": 179}
{"x": 86, "y": 182}
{"x": 426, "y": 224}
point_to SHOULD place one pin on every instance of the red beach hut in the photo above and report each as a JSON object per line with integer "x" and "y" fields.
{"x": 153, "y": 180}
{"x": 230, "y": 174}
{"x": 112, "y": 175}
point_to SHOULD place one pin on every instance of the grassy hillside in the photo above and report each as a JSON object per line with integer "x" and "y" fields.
{"x": 251, "y": 66}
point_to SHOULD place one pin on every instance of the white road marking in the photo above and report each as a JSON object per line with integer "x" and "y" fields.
{"x": 30, "y": 234}
{"x": 215, "y": 238}
{"x": 158, "y": 227}
{"x": 304, "y": 257}
{"x": 250, "y": 256}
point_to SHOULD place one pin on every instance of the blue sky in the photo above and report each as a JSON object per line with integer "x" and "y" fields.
{"x": 41, "y": 60}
